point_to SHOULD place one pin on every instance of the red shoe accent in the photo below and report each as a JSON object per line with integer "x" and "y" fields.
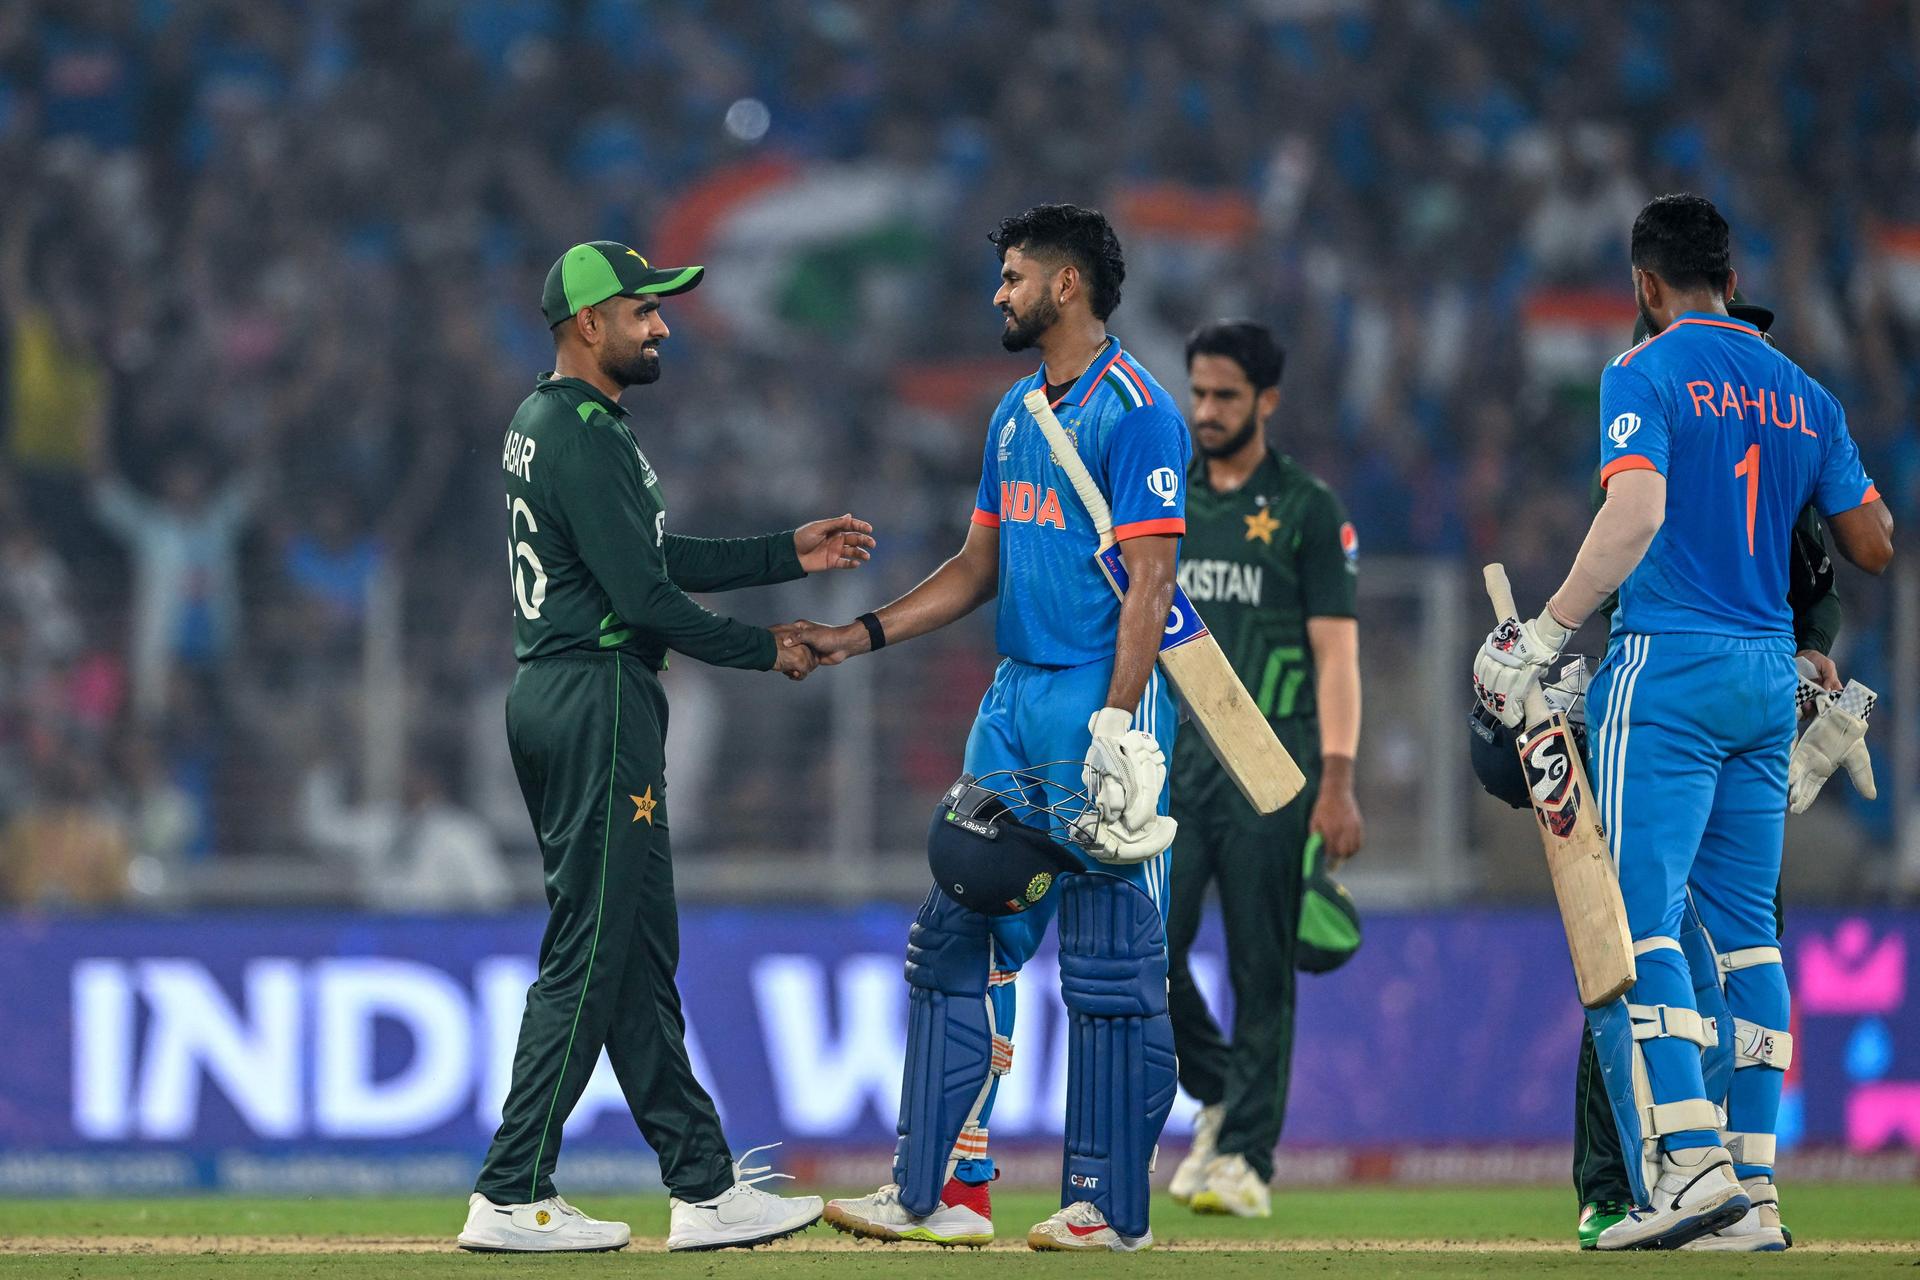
{"x": 967, "y": 1195}
{"x": 1087, "y": 1231}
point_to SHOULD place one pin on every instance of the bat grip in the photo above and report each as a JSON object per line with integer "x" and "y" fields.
{"x": 1500, "y": 591}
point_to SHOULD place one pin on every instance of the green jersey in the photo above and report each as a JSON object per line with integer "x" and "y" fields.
{"x": 1257, "y": 563}
{"x": 592, "y": 564}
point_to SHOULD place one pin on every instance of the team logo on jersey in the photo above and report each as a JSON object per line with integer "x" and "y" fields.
{"x": 1006, "y": 437}
{"x": 1621, "y": 429}
{"x": 1164, "y": 484}
{"x": 1262, "y": 525}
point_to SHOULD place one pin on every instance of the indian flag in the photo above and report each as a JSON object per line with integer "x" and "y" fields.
{"x": 820, "y": 250}
{"x": 1568, "y": 335}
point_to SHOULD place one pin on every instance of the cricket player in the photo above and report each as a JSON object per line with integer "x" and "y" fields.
{"x": 1077, "y": 682}
{"x": 1269, "y": 558}
{"x": 1599, "y": 1172}
{"x": 599, "y": 598}
{"x": 1693, "y": 708}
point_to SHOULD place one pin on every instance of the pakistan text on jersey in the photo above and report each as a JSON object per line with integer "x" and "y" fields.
{"x": 1223, "y": 580}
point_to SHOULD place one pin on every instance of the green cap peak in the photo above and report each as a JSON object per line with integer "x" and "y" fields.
{"x": 591, "y": 273}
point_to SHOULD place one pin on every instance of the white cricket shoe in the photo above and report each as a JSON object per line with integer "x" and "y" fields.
{"x": 743, "y": 1215}
{"x": 1192, "y": 1173}
{"x": 963, "y": 1217}
{"x": 1081, "y": 1226}
{"x": 1759, "y": 1232}
{"x": 1233, "y": 1187}
{"x": 546, "y": 1226}
{"x": 1695, "y": 1194}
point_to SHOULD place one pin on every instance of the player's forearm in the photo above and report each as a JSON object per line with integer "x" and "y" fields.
{"x": 1622, "y": 530}
{"x": 1336, "y": 685}
{"x": 1143, "y": 619}
{"x": 727, "y": 564}
{"x": 632, "y": 572}
{"x": 1818, "y": 625}
{"x": 665, "y": 613}
{"x": 945, "y": 596}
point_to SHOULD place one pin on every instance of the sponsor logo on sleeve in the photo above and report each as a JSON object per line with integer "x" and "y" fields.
{"x": 1164, "y": 484}
{"x": 1621, "y": 429}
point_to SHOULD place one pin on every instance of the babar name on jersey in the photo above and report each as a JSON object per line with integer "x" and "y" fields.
{"x": 517, "y": 458}
{"x": 1724, "y": 399}
{"x": 1225, "y": 581}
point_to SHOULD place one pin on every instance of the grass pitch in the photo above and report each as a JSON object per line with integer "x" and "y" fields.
{"x": 1843, "y": 1230}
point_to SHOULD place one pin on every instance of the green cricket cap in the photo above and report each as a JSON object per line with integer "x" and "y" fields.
{"x": 600, "y": 269}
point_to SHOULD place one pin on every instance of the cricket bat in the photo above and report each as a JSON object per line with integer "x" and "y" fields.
{"x": 1227, "y": 717}
{"x": 1578, "y": 860}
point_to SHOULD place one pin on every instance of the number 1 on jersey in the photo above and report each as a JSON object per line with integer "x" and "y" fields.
{"x": 1749, "y": 467}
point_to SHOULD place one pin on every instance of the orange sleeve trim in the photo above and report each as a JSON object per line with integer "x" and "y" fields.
{"x": 1871, "y": 495}
{"x": 1141, "y": 528}
{"x": 1631, "y": 462}
{"x": 991, "y": 519}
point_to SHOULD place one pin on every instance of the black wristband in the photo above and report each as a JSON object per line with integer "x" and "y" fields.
{"x": 876, "y": 636}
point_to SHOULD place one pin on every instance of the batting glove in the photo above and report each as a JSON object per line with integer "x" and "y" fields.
{"x": 1125, "y": 771}
{"x": 1110, "y": 842}
{"x": 1512, "y": 661}
{"x": 1837, "y": 738}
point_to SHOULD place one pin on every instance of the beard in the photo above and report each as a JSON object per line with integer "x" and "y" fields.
{"x": 634, "y": 367}
{"x": 1235, "y": 442}
{"x": 1024, "y": 332}
{"x": 1646, "y": 317}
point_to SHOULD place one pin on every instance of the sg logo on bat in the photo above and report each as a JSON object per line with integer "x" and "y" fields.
{"x": 1547, "y": 756}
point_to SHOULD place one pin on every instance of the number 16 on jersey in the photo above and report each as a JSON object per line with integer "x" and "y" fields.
{"x": 1222, "y": 710}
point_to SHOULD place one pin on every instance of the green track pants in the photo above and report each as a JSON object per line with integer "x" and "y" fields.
{"x": 1258, "y": 863}
{"x": 588, "y": 735}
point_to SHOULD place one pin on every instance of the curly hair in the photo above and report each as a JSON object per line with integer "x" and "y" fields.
{"x": 1682, "y": 239}
{"x": 1080, "y": 236}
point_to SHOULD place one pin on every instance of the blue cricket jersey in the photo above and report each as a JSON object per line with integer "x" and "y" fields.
{"x": 1056, "y": 609}
{"x": 1745, "y": 439}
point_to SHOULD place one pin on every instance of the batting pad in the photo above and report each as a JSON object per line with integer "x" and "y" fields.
{"x": 949, "y": 1046}
{"x": 1121, "y": 1075}
{"x": 1703, "y": 966}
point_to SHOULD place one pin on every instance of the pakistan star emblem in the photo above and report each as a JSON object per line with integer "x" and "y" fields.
{"x": 643, "y": 806}
{"x": 1261, "y": 525}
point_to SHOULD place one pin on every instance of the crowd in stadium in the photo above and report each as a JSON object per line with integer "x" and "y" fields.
{"x": 269, "y": 278}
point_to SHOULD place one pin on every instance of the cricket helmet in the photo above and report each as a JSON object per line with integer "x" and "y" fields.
{"x": 1490, "y": 744}
{"x": 984, "y": 856}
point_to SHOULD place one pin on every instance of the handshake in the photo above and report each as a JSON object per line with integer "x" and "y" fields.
{"x": 801, "y": 647}
{"x": 838, "y": 542}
